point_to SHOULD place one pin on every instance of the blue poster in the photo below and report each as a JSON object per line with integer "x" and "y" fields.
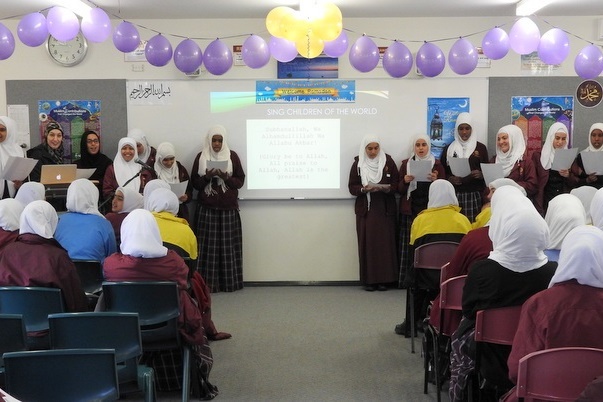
{"x": 306, "y": 91}
{"x": 441, "y": 119}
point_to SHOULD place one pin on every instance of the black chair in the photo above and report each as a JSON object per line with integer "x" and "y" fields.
{"x": 107, "y": 330}
{"x": 158, "y": 308}
{"x": 68, "y": 375}
{"x": 91, "y": 276}
{"x": 34, "y": 304}
{"x": 13, "y": 338}
{"x": 190, "y": 263}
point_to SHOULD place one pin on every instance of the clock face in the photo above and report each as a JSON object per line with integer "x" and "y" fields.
{"x": 67, "y": 53}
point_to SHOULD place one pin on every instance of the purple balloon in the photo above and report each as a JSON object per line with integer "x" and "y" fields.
{"x": 462, "y": 57}
{"x": 188, "y": 56}
{"x": 430, "y": 60}
{"x": 158, "y": 51}
{"x": 7, "y": 42}
{"x": 496, "y": 44}
{"x": 589, "y": 62}
{"x": 364, "y": 54}
{"x": 553, "y": 47}
{"x": 255, "y": 52}
{"x": 96, "y": 25}
{"x": 217, "y": 57}
{"x": 62, "y": 23}
{"x": 397, "y": 60}
{"x": 282, "y": 49}
{"x": 524, "y": 36}
{"x": 125, "y": 37}
{"x": 336, "y": 47}
{"x": 32, "y": 29}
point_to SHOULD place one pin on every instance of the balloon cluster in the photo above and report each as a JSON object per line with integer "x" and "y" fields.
{"x": 308, "y": 29}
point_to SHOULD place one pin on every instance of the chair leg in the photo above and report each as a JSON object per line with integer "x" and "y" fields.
{"x": 436, "y": 364}
{"x": 412, "y": 320}
{"x": 425, "y": 363}
{"x": 186, "y": 373}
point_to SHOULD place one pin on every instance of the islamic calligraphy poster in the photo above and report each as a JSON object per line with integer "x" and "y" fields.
{"x": 441, "y": 120}
{"x": 149, "y": 93}
{"x": 74, "y": 117}
{"x": 535, "y": 114}
{"x": 589, "y": 93}
{"x": 304, "y": 91}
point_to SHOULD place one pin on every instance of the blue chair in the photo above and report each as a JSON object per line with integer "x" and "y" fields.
{"x": 12, "y": 338}
{"x": 107, "y": 330}
{"x": 158, "y": 308}
{"x": 68, "y": 375}
{"x": 34, "y": 304}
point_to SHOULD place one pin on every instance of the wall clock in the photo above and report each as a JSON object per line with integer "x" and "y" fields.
{"x": 69, "y": 53}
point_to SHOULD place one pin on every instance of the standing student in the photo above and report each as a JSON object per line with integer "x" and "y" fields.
{"x": 171, "y": 170}
{"x": 146, "y": 152}
{"x": 414, "y": 193}
{"x": 595, "y": 144}
{"x": 374, "y": 181}
{"x": 49, "y": 152}
{"x": 469, "y": 189}
{"x": 125, "y": 172}
{"x": 8, "y": 148}
{"x": 217, "y": 222}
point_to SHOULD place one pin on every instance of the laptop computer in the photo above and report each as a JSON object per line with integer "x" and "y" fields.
{"x": 58, "y": 174}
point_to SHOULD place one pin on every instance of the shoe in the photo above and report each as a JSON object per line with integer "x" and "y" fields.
{"x": 382, "y": 288}
{"x": 369, "y": 288}
{"x": 401, "y": 329}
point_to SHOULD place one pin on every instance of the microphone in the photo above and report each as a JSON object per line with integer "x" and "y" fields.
{"x": 144, "y": 165}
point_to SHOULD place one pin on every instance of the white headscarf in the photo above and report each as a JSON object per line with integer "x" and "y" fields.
{"x": 585, "y": 194}
{"x": 519, "y": 234}
{"x": 581, "y": 257}
{"x": 140, "y": 236}
{"x": 412, "y": 186}
{"x": 39, "y": 217}
{"x": 370, "y": 170}
{"x": 171, "y": 175}
{"x": 162, "y": 200}
{"x": 124, "y": 171}
{"x": 548, "y": 150}
{"x": 82, "y": 197}
{"x": 441, "y": 193}
{"x": 596, "y": 126}
{"x": 10, "y": 213}
{"x": 208, "y": 154}
{"x": 8, "y": 147}
{"x": 504, "y": 181}
{"x": 596, "y": 209}
{"x": 30, "y": 191}
{"x": 564, "y": 213}
{"x": 132, "y": 200}
{"x": 149, "y": 188}
{"x": 139, "y": 137}
{"x": 459, "y": 148}
{"x": 517, "y": 147}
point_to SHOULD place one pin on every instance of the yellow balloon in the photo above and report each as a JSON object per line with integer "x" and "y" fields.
{"x": 310, "y": 46}
{"x": 329, "y": 24}
{"x": 294, "y": 26}
{"x": 274, "y": 20}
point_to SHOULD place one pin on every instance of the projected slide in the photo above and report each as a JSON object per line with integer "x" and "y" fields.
{"x": 293, "y": 154}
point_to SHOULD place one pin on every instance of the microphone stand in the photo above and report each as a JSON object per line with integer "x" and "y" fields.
{"x": 125, "y": 184}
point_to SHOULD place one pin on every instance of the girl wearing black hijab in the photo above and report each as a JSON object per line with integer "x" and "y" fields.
{"x": 91, "y": 156}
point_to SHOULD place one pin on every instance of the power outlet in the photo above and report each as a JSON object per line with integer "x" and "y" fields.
{"x": 138, "y": 68}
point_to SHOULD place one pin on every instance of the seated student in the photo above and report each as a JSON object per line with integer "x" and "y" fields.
{"x": 83, "y": 231}
{"x": 515, "y": 270}
{"x": 441, "y": 220}
{"x": 564, "y": 213}
{"x": 30, "y": 191}
{"x": 585, "y": 194}
{"x": 483, "y": 217}
{"x": 10, "y": 213}
{"x": 150, "y": 187}
{"x": 144, "y": 258}
{"x": 125, "y": 201}
{"x": 568, "y": 312}
{"x": 37, "y": 259}
{"x": 596, "y": 209}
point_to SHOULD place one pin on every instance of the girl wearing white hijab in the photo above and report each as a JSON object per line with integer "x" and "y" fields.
{"x": 8, "y": 148}
{"x": 125, "y": 201}
{"x": 468, "y": 189}
{"x": 10, "y": 213}
{"x": 595, "y": 144}
{"x": 146, "y": 152}
{"x": 565, "y": 212}
{"x": 374, "y": 180}
{"x": 516, "y": 269}
{"x": 151, "y": 186}
{"x": 510, "y": 153}
{"x": 567, "y": 313}
{"x": 551, "y": 182}
{"x": 585, "y": 194}
{"x": 596, "y": 209}
{"x": 217, "y": 222}
{"x": 171, "y": 171}
{"x": 30, "y": 191}
{"x": 125, "y": 170}
{"x": 83, "y": 231}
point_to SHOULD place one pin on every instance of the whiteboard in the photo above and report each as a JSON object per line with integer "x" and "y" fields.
{"x": 181, "y": 111}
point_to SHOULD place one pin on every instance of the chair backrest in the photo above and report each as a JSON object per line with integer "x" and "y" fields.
{"x": 451, "y": 298}
{"x": 497, "y": 325}
{"x": 33, "y": 303}
{"x": 62, "y": 375}
{"x": 559, "y": 374}
{"x": 91, "y": 275}
{"x": 190, "y": 263}
{"x": 157, "y": 305}
{"x": 444, "y": 272}
{"x": 434, "y": 255}
{"x": 13, "y": 337}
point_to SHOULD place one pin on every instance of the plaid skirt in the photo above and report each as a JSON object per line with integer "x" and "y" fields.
{"x": 404, "y": 247}
{"x": 470, "y": 203}
{"x": 220, "y": 240}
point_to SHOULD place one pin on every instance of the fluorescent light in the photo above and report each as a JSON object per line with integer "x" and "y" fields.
{"x": 529, "y": 7}
{"x": 79, "y": 7}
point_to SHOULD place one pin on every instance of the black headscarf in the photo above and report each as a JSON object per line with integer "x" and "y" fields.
{"x": 55, "y": 154}
{"x": 87, "y": 160}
